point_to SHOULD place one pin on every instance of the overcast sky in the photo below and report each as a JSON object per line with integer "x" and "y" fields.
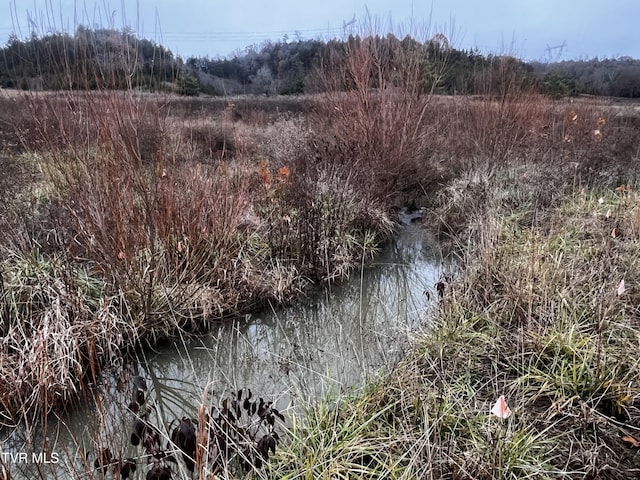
{"x": 530, "y": 29}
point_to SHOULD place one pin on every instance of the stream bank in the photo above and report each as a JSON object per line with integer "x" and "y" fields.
{"x": 333, "y": 343}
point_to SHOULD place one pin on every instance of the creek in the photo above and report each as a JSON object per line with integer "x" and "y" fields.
{"x": 331, "y": 343}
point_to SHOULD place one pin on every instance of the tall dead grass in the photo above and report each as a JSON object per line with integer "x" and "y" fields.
{"x": 154, "y": 234}
{"x": 176, "y": 237}
{"x": 374, "y": 103}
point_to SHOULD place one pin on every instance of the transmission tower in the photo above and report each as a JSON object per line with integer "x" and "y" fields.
{"x": 555, "y": 53}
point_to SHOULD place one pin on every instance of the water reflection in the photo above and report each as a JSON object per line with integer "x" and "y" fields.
{"x": 330, "y": 343}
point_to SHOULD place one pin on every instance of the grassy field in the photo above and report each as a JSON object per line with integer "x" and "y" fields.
{"x": 129, "y": 217}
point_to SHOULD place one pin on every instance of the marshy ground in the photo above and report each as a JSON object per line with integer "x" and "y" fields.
{"x": 130, "y": 217}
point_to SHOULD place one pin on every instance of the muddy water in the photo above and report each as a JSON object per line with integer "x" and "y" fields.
{"x": 328, "y": 344}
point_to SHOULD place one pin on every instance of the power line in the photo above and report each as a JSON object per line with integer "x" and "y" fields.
{"x": 235, "y": 37}
{"x": 231, "y": 36}
{"x": 235, "y": 34}
{"x": 263, "y": 32}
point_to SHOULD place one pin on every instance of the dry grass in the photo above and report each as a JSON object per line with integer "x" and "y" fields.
{"x": 58, "y": 328}
{"x": 172, "y": 216}
{"x": 535, "y": 313}
{"x": 122, "y": 203}
{"x": 149, "y": 215}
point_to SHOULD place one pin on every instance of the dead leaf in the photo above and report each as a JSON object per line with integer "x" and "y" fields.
{"x": 633, "y": 442}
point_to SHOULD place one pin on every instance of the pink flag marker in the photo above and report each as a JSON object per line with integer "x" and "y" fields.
{"x": 500, "y": 408}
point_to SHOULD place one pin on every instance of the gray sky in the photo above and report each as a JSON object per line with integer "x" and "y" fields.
{"x": 530, "y": 29}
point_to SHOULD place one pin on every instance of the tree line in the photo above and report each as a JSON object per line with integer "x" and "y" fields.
{"x": 89, "y": 59}
{"x": 611, "y": 77}
{"x": 105, "y": 58}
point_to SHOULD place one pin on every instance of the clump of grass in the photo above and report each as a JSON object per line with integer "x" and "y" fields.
{"x": 318, "y": 219}
{"x": 412, "y": 425}
{"x": 284, "y": 139}
{"x": 540, "y": 295}
{"x": 342, "y": 439}
{"x": 59, "y": 325}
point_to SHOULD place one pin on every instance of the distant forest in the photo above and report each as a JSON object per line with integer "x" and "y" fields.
{"x": 103, "y": 58}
